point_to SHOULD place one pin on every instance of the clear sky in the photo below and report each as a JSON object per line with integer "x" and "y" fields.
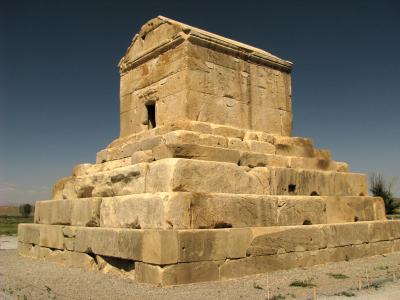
{"x": 59, "y": 80}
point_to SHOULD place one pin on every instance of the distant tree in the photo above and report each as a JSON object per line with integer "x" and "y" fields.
{"x": 25, "y": 209}
{"x": 380, "y": 188}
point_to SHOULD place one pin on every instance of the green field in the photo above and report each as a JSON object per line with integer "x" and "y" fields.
{"x": 9, "y": 225}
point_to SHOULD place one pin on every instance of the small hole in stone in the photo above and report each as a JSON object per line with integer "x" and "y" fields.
{"x": 103, "y": 161}
{"x": 355, "y": 219}
{"x": 307, "y": 222}
{"x": 314, "y": 193}
{"x": 362, "y": 194}
{"x": 222, "y": 225}
{"x": 291, "y": 188}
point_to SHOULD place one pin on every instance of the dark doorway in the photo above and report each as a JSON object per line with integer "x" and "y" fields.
{"x": 151, "y": 115}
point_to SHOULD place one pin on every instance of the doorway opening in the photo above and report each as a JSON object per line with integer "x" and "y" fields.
{"x": 151, "y": 115}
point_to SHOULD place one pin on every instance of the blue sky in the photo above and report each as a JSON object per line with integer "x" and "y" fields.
{"x": 59, "y": 79}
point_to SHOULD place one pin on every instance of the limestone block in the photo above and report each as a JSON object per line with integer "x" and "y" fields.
{"x": 154, "y": 70}
{"x": 88, "y": 169}
{"x": 122, "y": 243}
{"x": 181, "y": 137}
{"x": 146, "y": 144}
{"x": 266, "y": 119}
{"x": 299, "y": 210}
{"x": 51, "y": 236}
{"x": 175, "y": 102}
{"x": 116, "y": 266}
{"x": 294, "y": 150}
{"x": 216, "y": 109}
{"x": 254, "y": 210}
{"x": 380, "y": 231}
{"x": 322, "y": 153}
{"x": 262, "y": 147}
{"x": 237, "y": 144}
{"x": 260, "y": 264}
{"x": 311, "y": 163}
{"x": 379, "y": 248}
{"x": 394, "y": 228}
{"x": 205, "y": 176}
{"x": 192, "y": 151}
{"x": 121, "y": 181}
{"x": 58, "y": 188}
{"x": 345, "y": 234}
{"x": 350, "y": 209}
{"x": 396, "y": 245}
{"x": 28, "y": 250}
{"x": 287, "y": 239}
{"x": 69, "y": 190}
{"x": 160, "y": 247}
{"x": 80, "y": 212}
{"x": 186, "y": 125}
{"x": 142, "y": 156}
{"x": 161, "y": 210}
{"x": 228, "y": 131}
{"x": 53, "y": 212}
{"x": 71, "y": 259}
{"x": 213, "y": 140}
{"x": 69, "y": 243}
{"x": 253, "y": 159}
{"x": 214, "y": 244}
{"x": 178, "y": 273}
{"x": 28, "y": 233}
{"x": 70, "y": 231}
{"x": 315, "y": 182}
{"x": 86, "y": 212}
{"x": 342, "y": 167}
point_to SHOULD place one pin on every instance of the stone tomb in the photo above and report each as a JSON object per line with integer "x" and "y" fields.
{"x": 205, "y": 181}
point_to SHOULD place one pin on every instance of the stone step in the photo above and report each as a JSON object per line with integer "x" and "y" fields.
{"x": 220, "y": 253}
{"x": 190, "y": 175}
{"x": 184, "y": 210}
{"x": 212, "y": 153}
{"x": 244, "y": 158}
{"x": 268, "y": 144}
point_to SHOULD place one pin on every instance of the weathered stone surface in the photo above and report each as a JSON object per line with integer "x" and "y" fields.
{"x": 217, "y": 244}
{"x": 86, "y": 212}
{"x": 51, "y": 236}
{"x": 142, "y": 156}
{"x": 28, "y": 250}
{"x": 192, "y": 151}
{"x": 160, "y": 210}
{"x": 109, "y": 241}
{"x": 28, "y": 233}
{"x": 87, "y": 169}
{"x": 324, "y": 183}
{"x": 350, "y": 209}
{"x": 78, "y": 212}
{"x": 70, "y": 258}
{"x": 205, "y": 176}
{"x": 252, "y": 160}
{"x": 59, "y": 186}
{"x": 178, "y": 273}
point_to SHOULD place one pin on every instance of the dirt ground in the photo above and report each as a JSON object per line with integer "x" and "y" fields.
{"x": 377, "y": 277}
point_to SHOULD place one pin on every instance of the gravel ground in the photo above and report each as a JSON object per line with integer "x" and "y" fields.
{"x": 25, "y": 278}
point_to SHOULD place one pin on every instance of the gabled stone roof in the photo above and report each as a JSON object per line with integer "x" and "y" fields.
{"x": 161, "y": 33}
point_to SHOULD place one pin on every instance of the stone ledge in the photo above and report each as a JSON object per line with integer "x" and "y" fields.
{"x": 170, "y": 175}
{"x": 166, "y": 247}
{"x": 184, "y": 210}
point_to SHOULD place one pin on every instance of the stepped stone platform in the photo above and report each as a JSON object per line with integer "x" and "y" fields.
{"x": 205, "y": 181}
